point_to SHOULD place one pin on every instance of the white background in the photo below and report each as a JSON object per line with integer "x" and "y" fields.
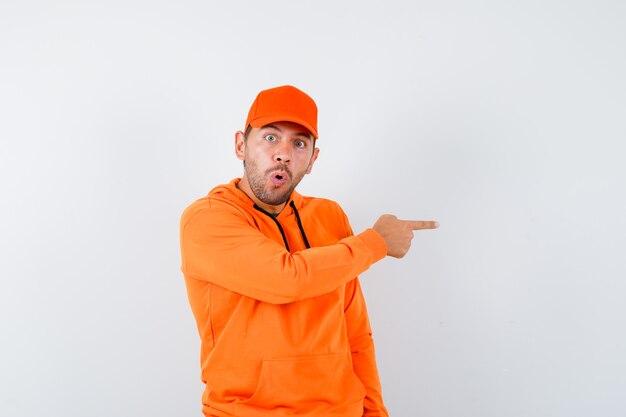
{"x": 503, "y": 120}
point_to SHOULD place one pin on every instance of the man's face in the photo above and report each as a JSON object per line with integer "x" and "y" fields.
{"x": 276, "y": 157}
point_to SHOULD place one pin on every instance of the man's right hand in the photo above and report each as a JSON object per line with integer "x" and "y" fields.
{"x": 399, "y": 233}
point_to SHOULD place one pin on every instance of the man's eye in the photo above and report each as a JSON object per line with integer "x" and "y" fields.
{"x": 300, "y": 144}
{"x": 270, "y": 138}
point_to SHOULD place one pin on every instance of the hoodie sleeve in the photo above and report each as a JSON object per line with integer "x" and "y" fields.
{"x": 218, "y": 245}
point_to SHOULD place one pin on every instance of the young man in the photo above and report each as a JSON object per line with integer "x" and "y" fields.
{"x": 272, "y": 278}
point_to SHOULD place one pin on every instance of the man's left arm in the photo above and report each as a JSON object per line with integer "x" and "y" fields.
{"x": 362, "y": 349}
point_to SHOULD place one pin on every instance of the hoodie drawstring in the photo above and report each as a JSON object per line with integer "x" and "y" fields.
{"x": 295, "y": 211}
{"x": 282, "y": 232}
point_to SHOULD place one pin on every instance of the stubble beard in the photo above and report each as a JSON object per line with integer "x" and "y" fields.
{"x": 258, "y": 182}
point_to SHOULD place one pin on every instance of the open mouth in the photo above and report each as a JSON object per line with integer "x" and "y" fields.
{"x": 279, "y": 178}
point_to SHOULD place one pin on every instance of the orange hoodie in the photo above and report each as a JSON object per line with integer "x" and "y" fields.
{"x": 284, "y": 331}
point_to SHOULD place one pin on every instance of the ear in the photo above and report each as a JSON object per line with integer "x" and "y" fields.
{"x": 240, "y": 145}
{"x": 316, "y": 152}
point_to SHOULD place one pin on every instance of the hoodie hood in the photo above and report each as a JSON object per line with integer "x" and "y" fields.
{"x": 230, "y": 192}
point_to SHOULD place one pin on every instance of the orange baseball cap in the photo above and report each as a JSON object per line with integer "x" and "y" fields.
{"x": 283, "y": 104}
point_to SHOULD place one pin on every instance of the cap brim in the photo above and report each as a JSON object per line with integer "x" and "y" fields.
{"x": 263, "y": 121}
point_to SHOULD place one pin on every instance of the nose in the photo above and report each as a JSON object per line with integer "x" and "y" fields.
{"x": 282, "y": 153}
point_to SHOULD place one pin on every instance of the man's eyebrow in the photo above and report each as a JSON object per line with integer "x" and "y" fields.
{"x": 270, "y": 127}
{"x": 302, "y": 134}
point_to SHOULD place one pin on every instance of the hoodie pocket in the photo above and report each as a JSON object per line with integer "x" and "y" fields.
{"x": 318, "y": 383}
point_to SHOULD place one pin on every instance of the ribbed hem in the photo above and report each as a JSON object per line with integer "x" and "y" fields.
{"x": 375, "y": 242}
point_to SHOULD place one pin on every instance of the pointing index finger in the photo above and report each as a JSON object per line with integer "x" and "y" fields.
{"x": 422, "y": 224}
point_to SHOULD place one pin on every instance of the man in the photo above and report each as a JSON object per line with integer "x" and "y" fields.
{"x": 272, "y": 278}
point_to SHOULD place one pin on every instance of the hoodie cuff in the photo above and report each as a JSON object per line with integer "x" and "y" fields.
{"x": 375, "y": 242}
